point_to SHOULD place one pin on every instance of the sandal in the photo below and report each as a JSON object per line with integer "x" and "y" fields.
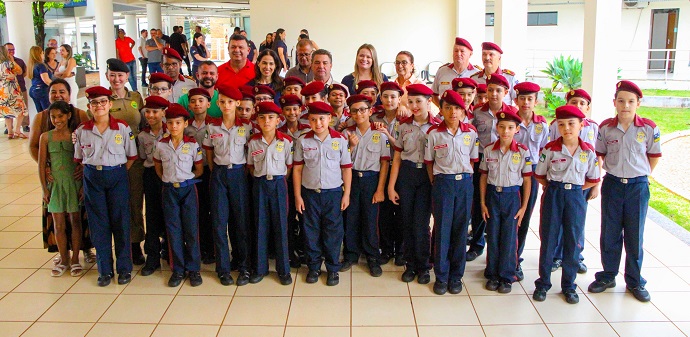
{"x": 57, "y": 260}
{"x": 10, "y": 136}
{"x": 76, "y": 270}
{"x": 89, "y": 256}
{"x": 58, "y": 270}
{"x": 20, "y": 135}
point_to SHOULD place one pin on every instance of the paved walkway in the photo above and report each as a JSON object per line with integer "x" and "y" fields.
{"x": 672, "y": 170}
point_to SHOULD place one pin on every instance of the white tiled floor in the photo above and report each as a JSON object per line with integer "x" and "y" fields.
{"x": 34, "y": 304}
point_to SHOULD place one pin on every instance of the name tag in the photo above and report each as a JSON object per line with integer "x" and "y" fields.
{"x": 561, "y": 160}
{"x": 491, "y": 160}
{"x": 257, "y": 152}
{"x": 216, "y": 135}
{"x": 445, "y": 83}
{"x": 615, "y": 141}
{"x": 86, "y": 146}
{"x": 442, "y": 146}
{"x": 309, "y": 149}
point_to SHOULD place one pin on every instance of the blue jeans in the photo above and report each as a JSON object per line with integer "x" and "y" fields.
{"x": 155, "y": 67}
{"x": 132, "y": 66}
{"x": 40, "y": 97}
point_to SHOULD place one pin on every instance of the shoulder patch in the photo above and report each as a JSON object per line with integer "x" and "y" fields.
{"x": 606, "y": 122}
{"x": 509, "y": 72}
{"x": 649, "y": 122}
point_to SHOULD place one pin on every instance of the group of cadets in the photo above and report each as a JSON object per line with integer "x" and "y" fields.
{"x": 299, "y": 175}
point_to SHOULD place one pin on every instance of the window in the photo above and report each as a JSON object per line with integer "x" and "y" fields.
{"x": 542, "y": 19}
{"x": 489, "y": 19}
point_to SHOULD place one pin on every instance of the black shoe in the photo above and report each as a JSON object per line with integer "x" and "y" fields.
{"x": 243, "y": 278}
{"x": 440, "y": 287}
{"x": 581, "y": 268}
{"x": 313, "y": 276}
{"x": 124, "y": 278}
{"x": 400, "y": 260}
{"x": 640, "y": 293}
{"x": 556, "y": 264}
{"x": 519, "y": 273}
{"x": 539, "y": 295}
{"x": 295, "y": 263}
{"x": 455, "y": 287}
{"x": 505, "y": 288}
{"x": 346, "y": 265}
{"x": 137, "y": 255}
{"x": 164, "y": 254}
{"x": 424, "y": 277}
{"x": 492, "y": 285}
{"x": 385, "y": 258}
{"x": 195, "y": 279}
{"x": 333, "y": 278}
{"x": 408, "y": 275}
{"x": 208, "y": 259}
{"x": 374, "y": 269}
{"x": 255, "y": 278}
{"x": 104, "y": 280}
{"x": 473, "y": 254}
{"x": 600, "y": 285}
{"x": 285, "y": 279}
{"x": 5, "y": 131}
{"x": 175, "y": 279}
{"x": 149, "y": 268}
{"x": 571, "y": 296}
{"x": 26, "y": 128}
{"x": 225, "y": 279}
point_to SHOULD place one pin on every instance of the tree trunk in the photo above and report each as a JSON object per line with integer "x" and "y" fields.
{"x": 39, "y": 23}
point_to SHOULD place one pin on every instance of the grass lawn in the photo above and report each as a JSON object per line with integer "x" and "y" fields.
{"x": 664, "y": 92}
{"x": 668, "y": 119}
{"x": 669, "y": 204}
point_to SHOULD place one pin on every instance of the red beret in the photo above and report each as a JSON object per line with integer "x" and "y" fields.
{"x": 524, "y": 88}
{"x": 337, "y": 86}
{"x": 481, "y": 88}
{"x": 97, "y": 91}
{"x": 497, "y": 79}
{"x": 312, "y": 88}
{"x": 578, "y": 93}
{"x": 492, "y": 46}
{"x": 452, "y": 97}
{"x": 267, "y": 108}
{"x": 569, "y": 111}
{"x": 229, "y": 91}
{"x": 169, "y": 52}
{"x": 198, "y": 92}
{"x": 462, "y": 42}
{"x": 290, "y": 100}
{"x": 175, "y": 110}
{"x": 264, "y": 90}
{"x": 418, "y": 90}
{"x": 156, "y": 102}
{"x": 509, "y": 113}
{"x": 247, "y": 92}
{"x": 392, "y": 85}
{"x": 464, "y": 82}
{"x": 365, "y": 84}
{"x": 630, "y": 87}
{"x": 320, "y": 108}
{"x": 160, "y": 77}
{"x": 358, "y": 98}
{"x": 293, "y": 80}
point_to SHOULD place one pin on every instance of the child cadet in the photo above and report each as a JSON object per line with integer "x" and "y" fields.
{"x": 631, "y": 147}
{"x": 566, "y": 166}
{"x": 336, "y": 97}
{"x": 226, "y": 145}
{"x": 506, "y": 169}
{"x": 451, "y": 149}
{"x": 178, "y": 163}
{"x": 482, "y": 97}
{"x": 467, "y": 89}
{"x": 370, "y": 156}
{"x": 409, "y": 184}
{"x": 313, "y": 92}
{"x": 106, "y": 148}
{"x": 321, "y": 176}
{"x": 292, "y": 86}
{"x": 160, "y": 84}
{"x": 270, "y": 161}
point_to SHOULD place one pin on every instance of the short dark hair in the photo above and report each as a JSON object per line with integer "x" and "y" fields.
{"x": 238, "y": 37}
{"x": 322, "y": 52}
{"x": 305, "y": 31}
{"x": 207, "y": 63}
{"x": 237, "y": 29}
{"x": 143, "y": 30}
{"x": 303, "y": 37}
{"x": 8, "y": 44}
{"x": 304, "y": 42}
{"x": 243, "y": 31}
{"x": 60, "y": 81}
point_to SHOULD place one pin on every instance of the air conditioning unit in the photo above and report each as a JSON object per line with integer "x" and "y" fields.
{"x": 634, "y": 4}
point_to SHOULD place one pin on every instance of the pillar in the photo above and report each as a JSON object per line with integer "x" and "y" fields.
{"x": 77, "y": 35}
{"x": 510, "y": 32}
{"x": 18, "y": 14}
{"x": 132, "y": 31}
{"x": 153, "y": 15}
{"x": 105, "y": 37}
{"x": 601, "y": 49}
{"x": 470, "y": 25}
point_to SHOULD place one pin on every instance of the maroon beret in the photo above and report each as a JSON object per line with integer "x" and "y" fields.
{"x": 464, "y": 82}
{"x": 481, "y": 88}
{"x": 524, "y": 88}
{"x": 97, "y": 91}
{"x": 452, "y": 97}
{"x": 320, "y": 108}
{"x": 462, "y": 42}
{"x": 578, "y": 93}
{"x": 160, "y": 77}
{"x": 169, "y": 52}
{"x": 392, "y": 85}
{"x": 492, "y": 46}
{"x": 156, "y": 102}
{"x": 290, "y": 100}
{"x": 337, "y": 86}
{"x": 267, "y": 108}
{"x": 510, "y": 113}
{"x": 229, "y": 91}
{"x": 358, "y": 98}
{"x": 497, "y": 79}
{"x": 630, "y": 87}
{"x": 312, "y": 88}
{"x": 365, "y": 84}
{"x": 198, "y": 92}
{"x": 293, "y": 80}
{"x": 569, "y": 111}
{"x": 175, "y": 110}
{"x": 247, "y": 92}
{"x": 418, "y": 90}
{"x": 264, "y": 90}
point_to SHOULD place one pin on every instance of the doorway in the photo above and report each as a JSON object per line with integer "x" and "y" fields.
{"x": 663, "y": 32}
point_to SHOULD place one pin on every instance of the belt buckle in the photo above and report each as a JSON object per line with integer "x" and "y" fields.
{"x": 458, "y": 177}
{"x": 318, "y": 190}
{"x": 420, "y": 165}
{"x": 568, "y": 186}
{"x": 99, "y": 167}
{"x": 624, "y": 181}
{"x": 176, "y": 185}
{"x": 499, "y": 189}
{"x": 269, "y": 177}
{"x": 360, "y": 174}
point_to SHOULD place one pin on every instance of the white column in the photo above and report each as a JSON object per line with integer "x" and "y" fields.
{"x": 510, "y": 32}
{"x": 77, "y": 35}
{"x": 153, "y": 15}
{"x": 105, "y": 36}
{"x": 18, "y": 14}
{"x": 131, "y": 29}
{"x": 470, "y": 25}
{"x": 601, "y": 49}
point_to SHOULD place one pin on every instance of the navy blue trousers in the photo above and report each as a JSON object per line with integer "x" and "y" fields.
{"x": 106, "y": 197}
{"x": 180, "y": 207}
{"x": 501, "y": 233}
{"x": 623, "y": 215}
{"x": 558, "y": 255}
{"x": 564, "y": 210}
{"x": 322, "y": 227}
{"x": 205, "y": 223}
{"x": 361, "y": 221}
{"x": 230, "y": 200}
{"x": 414, "y": 190}
{"x": 391, "y": 228}
{"x": 478, "y": 224}
{"x": 271, "y": 209}
{"x": 155, "y": 226}
{"x": 452, "y": 207}
{"x": 523, "y": 230}
{"x": 295, "y": 239}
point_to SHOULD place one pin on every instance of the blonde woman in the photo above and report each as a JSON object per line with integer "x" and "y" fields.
{"x": 40, "y": 77}
{"x": 11, "y": 102}
{"x": 366, "y": 68}
{"x": 66, "y": 70}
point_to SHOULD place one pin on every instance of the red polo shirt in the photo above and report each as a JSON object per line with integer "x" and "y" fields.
{"x": 123, "y": 47}
{"x": 227, "y": 75}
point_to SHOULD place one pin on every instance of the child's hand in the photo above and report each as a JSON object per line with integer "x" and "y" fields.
{"x": 74, "y": 137}
{"x": 485, "y": 212}
{"x": 520, "y": 214}
{"x": 403, "y": 112}
{"x": 299, "y": 204}
{"x": 393, "y": 196}
{"x": 49, "y": 177}
{"x": 344, "y": 202}
{"x": 78, "y": 172}
{"x": 379, "y": 125}
{"x": 593, "y": 192}
{"x": 353, "y": 139}
{"x": 378, "y": 197}
{"x": 46, "y": 196}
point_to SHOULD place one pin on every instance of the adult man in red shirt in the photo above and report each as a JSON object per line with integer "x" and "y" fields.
{"x": 239, "y": 70}
{"x": 123, "y": 50}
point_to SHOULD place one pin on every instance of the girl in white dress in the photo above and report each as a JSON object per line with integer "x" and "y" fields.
{"x": 66, "y": 70}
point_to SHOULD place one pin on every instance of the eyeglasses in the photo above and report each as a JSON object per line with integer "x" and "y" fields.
{"x": 171, "y": 65}
{"x": 404, "y": 63}
{"x": 10, "y": 50}
{"x": 154, "y": 89}
{"x": 303, "y": 54}
{"x": 102, "y": 102}
{"x": 359, "y": 111}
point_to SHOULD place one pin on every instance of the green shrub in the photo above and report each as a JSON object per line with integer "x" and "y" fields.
{"x": 565, "y": 73}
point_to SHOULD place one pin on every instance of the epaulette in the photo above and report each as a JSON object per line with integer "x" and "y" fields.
{"x": 606, "y": 122}
{"x": 648, "y": 122}
{"x": 522, "y": 146}
{"x": 478, "y": 68}
{"x": 509, "y": 72}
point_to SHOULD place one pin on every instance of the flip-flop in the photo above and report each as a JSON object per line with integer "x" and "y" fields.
{"x": 20, "y": 135}
{"x": 89, "y": 256}
{"x": 76, "y": 270}
{"x": 58, "y": 270}
{"x": 57, "y": 260}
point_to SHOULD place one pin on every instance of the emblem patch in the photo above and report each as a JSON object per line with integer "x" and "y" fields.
{"x": 185, "y": 148}
{"x": 134, "y": 104}
{"x": 516, "y": 158}
{"x": 280, "y": 146}
{"x": 241, "y": 131}
{"x": 118, "y": 139}
{"x": 466, "y": 139}
{"x": 538, "y": 128}
{"x": 335, "y": 145}
{"x": 376, "y": 138}
{"x": 583, "y": 157}
{"x": 641, "y": 137}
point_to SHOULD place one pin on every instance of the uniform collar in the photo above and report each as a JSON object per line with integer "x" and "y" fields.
{"x": 558, "y": 145}
{"x": 433, "y": 120}
{"x": 331, "y": 132}
{"x": 127, "y": 94}
{"x": 112, "y": 123}
{"x": 513, "y": 146}
{"x": 462, "y": 127}
{"x": 185, "y": 139}
{"x": 218, "y": 121}
{"x": 164, "y": 128}
{"x": 637, "y": 121}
